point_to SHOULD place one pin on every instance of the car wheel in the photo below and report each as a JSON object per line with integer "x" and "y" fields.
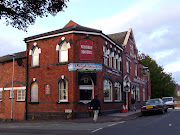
{"x": 162, "y": 111}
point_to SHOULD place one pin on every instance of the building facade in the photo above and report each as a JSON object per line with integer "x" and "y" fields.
{"x": 64, "y": 69}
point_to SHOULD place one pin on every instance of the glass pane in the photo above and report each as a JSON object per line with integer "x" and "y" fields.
{"x": 85, "y": 94}
{"x": 34, "y": 92}
{"x": 64, "y": 56}
{"x": 64, "y": 46}
{"x": 35, "y": 60}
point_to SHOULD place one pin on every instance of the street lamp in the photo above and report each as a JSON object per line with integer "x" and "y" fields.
{"x": 12, "y": 92}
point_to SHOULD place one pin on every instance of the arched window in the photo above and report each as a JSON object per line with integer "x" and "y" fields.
{"x": 107, "y": 90}
{"x": 35, "y": 57}
{"x": 63, "y": 91}
{"x": 34, "y": 92}
{"x": 63, "y": 52}
{"x": 118, "y": 92}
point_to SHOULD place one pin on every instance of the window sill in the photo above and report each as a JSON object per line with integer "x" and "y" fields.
{"x": 84, "y": 102}
{"x": 34, "y": 67}
{"x": 33, "y": 102}
{"x": 108, "y": 101}
{"x": 62, "y": 63}
{"x": 20, "y": 100}
{"x": 63, "y": 102}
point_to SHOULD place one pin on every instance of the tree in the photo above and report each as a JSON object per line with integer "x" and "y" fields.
{"x": 21, "y": 13}
{"x": 162, "y": 84}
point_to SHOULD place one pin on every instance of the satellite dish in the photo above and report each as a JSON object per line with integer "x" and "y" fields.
{"x": 20, "y": 62}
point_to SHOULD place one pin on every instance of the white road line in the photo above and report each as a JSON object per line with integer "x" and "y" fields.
{"x": 116, "y": 123}
{"x": 97, "y": 130}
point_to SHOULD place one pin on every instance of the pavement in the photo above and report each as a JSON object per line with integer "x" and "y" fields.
{"x": 113, "y": 117}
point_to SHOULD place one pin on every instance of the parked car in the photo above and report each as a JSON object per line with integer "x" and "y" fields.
{"x": 154, "y": 105}
{"x": 169, "y": 101}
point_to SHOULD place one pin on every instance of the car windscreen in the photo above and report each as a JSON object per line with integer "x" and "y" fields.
{"x": 152, "y": 101}
{"x": 167, "y": 99}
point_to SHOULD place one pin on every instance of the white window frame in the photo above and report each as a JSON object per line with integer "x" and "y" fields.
{"x": 114, "y": 63}
{"x": 105, "y": 50}
{"x": 135, "y": 69}
{"x": 110, "y": 59}
{"x": 108, "y": 83}
{"x": 127, "y": 65}
{"x": 118, "y": 88}
{"x": 35, "y": 57}
{"x": 22, "y": 98}
{"x": 119, "y": 63}
{"x": 1, "y": 90}
{"x": 63, "y": 52}
{"x": 137, "y": 93}
{"x": 66, "y": 90}
{"x": 144, "y": 94}
{"x": 33, "y": 92}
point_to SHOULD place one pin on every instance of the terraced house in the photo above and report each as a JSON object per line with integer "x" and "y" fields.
{"x": 62, "y": 70}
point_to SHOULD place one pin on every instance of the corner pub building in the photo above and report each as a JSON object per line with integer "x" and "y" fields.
{"x": 63, "y": 70}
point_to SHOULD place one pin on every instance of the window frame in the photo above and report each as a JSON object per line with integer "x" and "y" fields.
{"x": 118, "y": 88}
{"x": 21, "y": 93}
{"x": 35, "y": 55}
{"x": 37, "y": 92}
{"x": 137, "y": 93}
{"x": 108, "y": 84}
{"x": 1, "y": 93}
{"x": 66, "y": 52}
{"x": 59, "y": 91}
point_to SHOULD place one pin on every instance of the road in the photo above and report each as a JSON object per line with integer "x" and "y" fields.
{"x": 166, "y": 124}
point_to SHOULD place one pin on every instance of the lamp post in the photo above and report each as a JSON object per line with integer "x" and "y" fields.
{"x": 12, "y": 92}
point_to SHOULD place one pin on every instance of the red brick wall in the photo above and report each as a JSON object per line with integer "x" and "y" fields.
{"x": 6, "y": 70}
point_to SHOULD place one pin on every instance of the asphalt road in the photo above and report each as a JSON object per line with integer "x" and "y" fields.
{"x": 166, "y": 124}
{"x": 156, "y": 124}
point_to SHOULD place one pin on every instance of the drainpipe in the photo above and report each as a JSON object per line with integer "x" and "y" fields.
{"x": 27, "y": 70}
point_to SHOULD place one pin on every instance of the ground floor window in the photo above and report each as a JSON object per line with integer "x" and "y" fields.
{"x": 0, "y": 95}
{"x": 63, "y": 91}
{"x": 118, "y": 94}
{"x": 20, "y": 95}
{"x": 86, "y": 92}
{"x": 107, "y": 90}
{"x": 144, "y": 94}
{"x": 34, "y": 92}
{"x": 137, "y": 93}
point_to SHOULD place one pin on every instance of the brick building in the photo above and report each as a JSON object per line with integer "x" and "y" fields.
{"x": 64, "y": 69}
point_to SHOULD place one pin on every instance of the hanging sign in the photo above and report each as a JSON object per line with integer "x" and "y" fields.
{"x": 86, "y": 49}
{"x": 47, "y": 89}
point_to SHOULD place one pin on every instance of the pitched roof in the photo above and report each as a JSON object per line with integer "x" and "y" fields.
{"x": 118, "y": 37}
{"x": 7, "y": 58}
{"x": 70, "y": 23}
{"x": 71, "y": 26}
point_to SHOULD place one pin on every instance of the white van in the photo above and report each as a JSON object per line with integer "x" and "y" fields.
{"x": 169, "y": 101}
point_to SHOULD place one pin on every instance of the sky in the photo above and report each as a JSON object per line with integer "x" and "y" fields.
{"x": 155, "y": 24}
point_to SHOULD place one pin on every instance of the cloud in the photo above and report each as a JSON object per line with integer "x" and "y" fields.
{"x": 156, "y": 28}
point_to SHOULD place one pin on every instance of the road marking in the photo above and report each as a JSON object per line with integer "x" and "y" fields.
{"x": 116, "y": 123}
{"x": 97, "y": 130}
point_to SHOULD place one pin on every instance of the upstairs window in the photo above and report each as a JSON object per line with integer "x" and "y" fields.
{"x": 119, "y": 63}
{"x": 63, "y": 91}
{"x": 105, "y": 50}
{"x": 35, "y": 57}
{"x": 128, "y": 66}
{"x": 135, "y": 69}
{"x": 110, "y": 59}
{"x": 63, "y": 52}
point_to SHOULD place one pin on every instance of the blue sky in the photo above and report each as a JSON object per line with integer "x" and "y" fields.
{"x": 155, "y": 25}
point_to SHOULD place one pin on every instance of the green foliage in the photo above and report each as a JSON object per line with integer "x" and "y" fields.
{"x": 162, "y": 84}
{"x": 21, "y": 13}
